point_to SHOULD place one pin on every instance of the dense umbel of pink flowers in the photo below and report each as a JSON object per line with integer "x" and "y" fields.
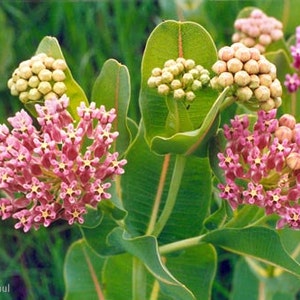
{"x": 292, "y": 81}
{"x": 262, "y": 165}
{"x": 52, "y": 172}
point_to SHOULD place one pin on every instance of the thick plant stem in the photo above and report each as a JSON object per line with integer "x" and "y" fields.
{"x": 172, "y": 194}
{"x": 139, "y": 280}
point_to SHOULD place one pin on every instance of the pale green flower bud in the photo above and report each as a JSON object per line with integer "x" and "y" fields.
{"x": 242, "y": 78}
{"x": 33, "y": 81}
{"x": 190, "y": 96}
{"x": 262, "y": 93}
{"x": 13, "y": 90}
{"x": 189, "y": 64}
{"x": 58, "y": 75}
{"x": 37, "y": 67}
{"x": 51, "y": 96}
{"x": 214, "y": 83}
{"x": 16, "y": 74}
{"x": 187, "y": 79}
{"x": 167, "y": 77}
{"x": 180, "y": 60}
{"x": 152, "y": 82}
{"x": 195, "y": 73}
{"x": 34, "y": 94}
{"x": 197, "y": 85}
{"x": 176, "y": 84}
{"x": 25, "y": 63}
{"x": 179, "y": 94}
{"x": 25, "y": 72}
{"x": 234, "y": 65}
{"x": 267, "y": 105}
{"x": 174, "y": 69}
{"x": 59, "y": 64}
{"x": 156, "y": 72}
{"x": 180, "y": 66}
{"x": 277, "y": 101}
{"x": 163, "y": 89}
{"x": 204, "y": 78}
{"x": 23, "y": 97}
{"x": 10, "y": 82}
{"x": 244, "y": 93}
{"x": 45, "y": 75}
{"x": 254, "y": 82}
{"x": 21, "y": 85}
{"x": 44, "y": 87}
{"x": 200, "y": 68}
{"x": 59, "y": 88}
{"x": 169, "y": 63}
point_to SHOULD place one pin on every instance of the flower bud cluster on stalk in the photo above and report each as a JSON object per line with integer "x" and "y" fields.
{"x": 252, "y": 78}
{"x": 292, "y": 81}
{"x": 258, "y": 30}
{"x": 180, "y": 78}
{"x": 54, "y": 171}
{"x": 39, "y": 78}
{"x": 262, "y": 165}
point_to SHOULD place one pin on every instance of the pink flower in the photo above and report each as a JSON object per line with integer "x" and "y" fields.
{"x": 261, "y": 166}
{"x": 53, "y": 172}
{"x": 292, "y": 82}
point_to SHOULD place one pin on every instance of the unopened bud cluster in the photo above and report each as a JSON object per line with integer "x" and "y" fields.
{"x": 39, "y": 78}
{"x": 180, "y": 78}
{"x": 258, "y": 30}
{"x": 250, "y": 75}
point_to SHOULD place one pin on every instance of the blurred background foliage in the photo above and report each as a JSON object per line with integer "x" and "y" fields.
{"x": 90, "y": 32}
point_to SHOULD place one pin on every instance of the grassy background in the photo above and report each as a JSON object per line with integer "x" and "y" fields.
{"x": 89, "y": 33}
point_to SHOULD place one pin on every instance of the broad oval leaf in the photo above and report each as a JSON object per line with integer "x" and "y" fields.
{"x": 112, "y": 89}
{"x": 165, "y": 118}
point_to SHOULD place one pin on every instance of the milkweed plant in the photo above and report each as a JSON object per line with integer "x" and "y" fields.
{"x": 213, "y": 163}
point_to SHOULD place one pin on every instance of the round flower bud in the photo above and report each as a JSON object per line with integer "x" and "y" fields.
{"x": 226, "y": 53}
{"x": 204, "y": 78}
{"x": 255, "y": 54}
{"x": 267, "y": 105}
{"x": 16, "y": 74}
{"x": 25, "y": 72}
{"x": 225, "y": 79}
{"x": 190, "y": 96}
{"x": 265, "y": 39}
{"x": 179, "y": 94}
{"x": 58, "y": 75}
{"x": 176, "y": 84}
{"x": 163, "y": 89}
{"x": 214, "y": 83}
{"x": 284, "y": 133}
{"x": 260, "y": 48}
{"x": 219, "y": 67}
{"x": 196, "y": 85}
{"x": 169, "y": 63}
{"x": 33, "y": 81}
{"x": 21, "y": 85}
{"x": 158, "y": 80}
{"x": 242, "y": 78}
{"x": 276, "y": 88}
{"x": 23, "y": 97}
{"x": 254, "y": 82}
{"x": 262, "y": 93}
{"x": 236, "y": 46}
{"x": 59, "y": 88}
{"x": 44, "y": 87}
{"x": 37, "y": 67}
{"x": 276, "y": 34}
{"x": 180, "y": 67}
{"x": 51, "y": 96}
{"x": 194, "y": 72}
{"x": 234, "y": 65}
{"x": 10, "y": 82}
{"x": 48, "y": 62}
{"x": 187, "y": 79}
{"x": 265, "y": 79}
{"x": 243, "y": 54}
{"x": 152, "y": 82}
{"x": 174, "y": 69}
{"x": 251, "y": 67}
{"x": 287, "y": 120}
{"x": 248, "y": 42}
{"x": 13, "y": 90}
{"x": 189, "y": 64}
{"x": 59, "y": 64}
{"x": 25, "y": 63}
{"x": 264, "y": 66}
{"x": 244, "y": 93}
{"x": 34, "y": 94}
{"x": 45, "y": 75}
{"x": 166, "y": 77}
{"x": 277, "y": 101}
{"x": 293, "y": 161}
{"x": 200, "y": 69}
{"x": 156, "y": 72}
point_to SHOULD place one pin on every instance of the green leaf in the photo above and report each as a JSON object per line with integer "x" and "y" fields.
{"x": 195, "y": 268}
{"x": 112, "y": 89}
{"x": 259, "y": 242}
{"x": 146, "y": 249}
{"x": 166, "y": 119}
{"x": 50, "y": 46}
{"x": 146, "y": 183}
{"x": 82, "y": 273}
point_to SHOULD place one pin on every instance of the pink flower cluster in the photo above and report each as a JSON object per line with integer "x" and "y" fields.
{"x": 292, "y": 82}
{"x": 52, "y": 172}
{"x": 262, "y": 165}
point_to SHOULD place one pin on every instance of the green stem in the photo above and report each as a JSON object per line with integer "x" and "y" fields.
{"x": 180, "y": 245}
{"x": 172, "y": 194}
{"x": 139, "y": 280}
